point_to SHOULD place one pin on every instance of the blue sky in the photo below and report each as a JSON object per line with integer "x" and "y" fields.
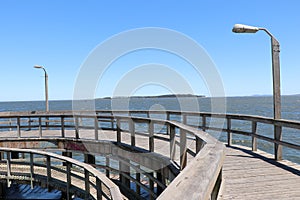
{"x": 61, "y": 34}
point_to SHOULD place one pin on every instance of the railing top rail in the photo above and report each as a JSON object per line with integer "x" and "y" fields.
{"x": 114, "y": 190}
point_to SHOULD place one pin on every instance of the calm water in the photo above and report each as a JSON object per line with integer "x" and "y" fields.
{"x": 242, "y": 105}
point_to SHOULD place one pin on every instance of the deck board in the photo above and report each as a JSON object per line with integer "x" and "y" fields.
{"x": 256, "y": 175}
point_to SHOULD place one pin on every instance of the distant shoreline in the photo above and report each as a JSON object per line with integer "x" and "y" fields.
{"x": 156, "y": 96}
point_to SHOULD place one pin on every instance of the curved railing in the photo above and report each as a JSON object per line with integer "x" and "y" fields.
{"x": 231, "y": 124}
{"x": 70, "y": 175}
{"x": 185, "y": 146}
{"x": 203, "y": 147}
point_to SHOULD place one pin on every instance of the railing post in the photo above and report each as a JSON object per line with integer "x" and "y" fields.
{"x": 29, "y": 123}
{"x": 76, "y": 127}
{"x": 151, "y": 136}
{"x": 96, "y": 127}
{"x": 124, "y": 170}
{"x": 138, "y": 179}
{"x": 69, "y": 181}
{"x": 31, "y": 170}
{"x": 18, "y": 127}
{"x": 203, "y": 122}
{"x": 132, "y": 131}
{"x": 151, "y": 186}
{"x": 229, "y": 134}
{"x": 254, "y": 139}
{"x": 112, "y": 120}
{"x": 48, "y": 172}
{"x": 99, "y": 188}
{"x": 183, "y": 149}
{"x": 184, "y": 119}
{"x": 87, "y": 183}
{"x": 118, "y": 130}
{"x": 40, "y": 127}
{"x": 107, "y": 163}
{"x": 10, "y": 124}
{"x": 8, "y": 168}
{"x": 89, "y": 159}
{"x": 168, "y": 115}
{"x": 62, "y": 121}
{"x": 160, "y": 177}
{"x": 277, "y": 147}
{"x": 172, "y": 141}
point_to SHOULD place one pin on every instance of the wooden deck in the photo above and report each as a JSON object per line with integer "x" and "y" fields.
{"x": 246, "y": 174}
{"x": 255, "y": 175}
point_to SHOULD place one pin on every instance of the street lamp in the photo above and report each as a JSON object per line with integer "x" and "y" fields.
{"x": 241, "y": 28}
{"x": 46, "y": 85}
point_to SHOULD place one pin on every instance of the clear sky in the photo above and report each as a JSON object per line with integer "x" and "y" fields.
{"x": 60, "y": 35}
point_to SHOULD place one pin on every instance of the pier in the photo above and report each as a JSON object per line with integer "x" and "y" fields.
{"x": 145, "y": 155}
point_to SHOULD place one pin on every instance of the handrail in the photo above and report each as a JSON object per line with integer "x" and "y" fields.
{"x": 211, "y": 151}
{"x": 114, "y": 119}
{"x": 87, "y": 171}
{"x": 203, "y": 116}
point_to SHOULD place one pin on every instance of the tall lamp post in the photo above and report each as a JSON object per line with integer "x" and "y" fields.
{"x": 241, "y": 28}
{"x": 46, "y": 85}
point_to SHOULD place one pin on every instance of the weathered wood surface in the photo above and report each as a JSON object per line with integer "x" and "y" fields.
{"x": 255, "y": 175}
{"x": 246, "y": 174}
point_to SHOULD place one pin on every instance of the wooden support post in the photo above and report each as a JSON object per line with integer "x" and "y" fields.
{"x": 160, "y": 178}
{"x": 172, "y": 141}
{"x": 277, "y": 147}
{"x": 40, "y": 127}
{"x": 31, "y": 171}
{"x": 8, "y": 168}
{"x": 90, "y": 159}
{"x": 118, "y": 130}
{"x": 183, "y": 149}
{"x": 18, "y": 127}
{"x": 29, "y": 123}
{"x": 107, "y": 162}
{"x": 62, "y": 121}
{"x": 87, "y": 183}
{"x": 15, "y": 155}
{"x": 229, "y": 134}
{"x": 112, "y": 121}
{"x": 69, "y": 181}
{"x": 76, "y": 127}
{"x": 99, "y": 189}
{"x": 96, "y": 127}
{"x": 254, "y": 139}
{"x": 138, "y": 179}
{"x": 184, "y": 119}
{"x": 203, "y": 122}
{"x": 132, "y": 131}
{"x": 48, "y": 172}
{"x": 151, "y": 186}
{"x": 67, "y": 154}
{"x": 151, "y": 136}
{"x": 124, "y": 169}
{"x": 168, "y": 116}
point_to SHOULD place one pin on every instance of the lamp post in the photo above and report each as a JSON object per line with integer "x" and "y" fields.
{"x": 46, "y": 86}
{"x": 241, "y": 28}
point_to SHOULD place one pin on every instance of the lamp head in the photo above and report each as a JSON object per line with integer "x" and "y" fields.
{"x": 38, "y": 66}
{"x": 241, "y": 28}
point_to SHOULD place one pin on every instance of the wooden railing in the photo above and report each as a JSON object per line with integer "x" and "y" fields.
{"x": 75, "y": 177}
{"x": 227, "y": 126}
{"x": 187, "y": 128}
{"x": 203, "y": 152}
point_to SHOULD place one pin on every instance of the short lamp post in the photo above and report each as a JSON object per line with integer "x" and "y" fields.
{"x": 240, "y": 28}
{"x": 46, "y": 86}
